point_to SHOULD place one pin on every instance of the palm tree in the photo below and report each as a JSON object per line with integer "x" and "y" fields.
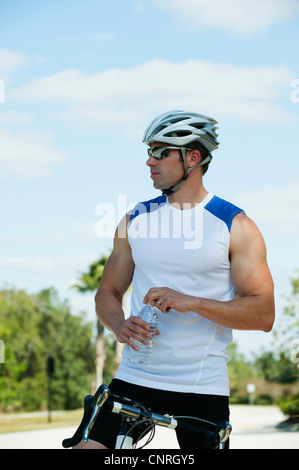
{"x": 89, "y": 282}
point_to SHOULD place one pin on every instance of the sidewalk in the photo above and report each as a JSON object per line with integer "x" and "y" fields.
{"x": 254, "y": 427}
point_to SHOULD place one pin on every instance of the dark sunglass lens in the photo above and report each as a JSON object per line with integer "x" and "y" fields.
{"x": 164, "y": 153}
{"x": 158, "y": 152}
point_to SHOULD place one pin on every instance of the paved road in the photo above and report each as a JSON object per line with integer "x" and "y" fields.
{"x": 253, "y": 428}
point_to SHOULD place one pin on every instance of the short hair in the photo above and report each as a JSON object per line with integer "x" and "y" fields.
{"x": 203, "y": 152}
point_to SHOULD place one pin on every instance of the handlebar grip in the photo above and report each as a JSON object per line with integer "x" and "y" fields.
{"x": 208, "y": 438}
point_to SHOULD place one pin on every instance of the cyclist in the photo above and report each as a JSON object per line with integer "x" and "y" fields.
{"x": 202, "y": 263}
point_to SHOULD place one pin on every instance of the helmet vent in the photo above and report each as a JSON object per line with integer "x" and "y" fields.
{"x": 178, "y": 134}
{"x": 178, "y": 119}
{"x": 198, "y": 125}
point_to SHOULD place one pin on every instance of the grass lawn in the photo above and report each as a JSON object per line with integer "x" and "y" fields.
{"x": 39, "y": 420}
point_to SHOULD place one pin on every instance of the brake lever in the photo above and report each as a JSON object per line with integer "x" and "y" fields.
{"x": 224, "y": 431}
{"x": 100, "y": 397}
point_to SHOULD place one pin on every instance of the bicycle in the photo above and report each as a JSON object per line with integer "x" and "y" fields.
{"x": 136, "y": 415}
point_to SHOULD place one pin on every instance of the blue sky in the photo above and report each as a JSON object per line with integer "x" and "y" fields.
{"x": 83, "y": 79}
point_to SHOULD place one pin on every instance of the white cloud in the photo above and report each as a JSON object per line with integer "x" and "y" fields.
{"x": 64, "y": 235}
{"x": 27, "y": 155}
{"x": 238, "y": 17}
{"x": 39, "y": 263}
{"x": 10, "y": 60}
{"x": 27, "y": 262}
{"x": 132, "y": 95}
{"x": 14, "y": 118}
{"x": 275, "y": 209}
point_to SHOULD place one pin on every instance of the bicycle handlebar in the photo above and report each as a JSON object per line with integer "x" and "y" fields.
{"x": 131, "y": 409}
{"x": 223, "y": 429}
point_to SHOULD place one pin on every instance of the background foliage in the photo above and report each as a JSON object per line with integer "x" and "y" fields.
{"x": 33, "y": 328}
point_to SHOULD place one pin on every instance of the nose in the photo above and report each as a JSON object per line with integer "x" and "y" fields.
{"x": 151, "y": 161}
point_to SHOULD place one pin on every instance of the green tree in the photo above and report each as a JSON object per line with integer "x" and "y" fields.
{"x": 24, "y": 349}
{"x": 275, "y": 367}
{"x": 107, "y": 348}
{"x": 68, "y": 339}
{"x": 238, "y": 369}
{"x": 285, "y": 333}
{"x": 90, "y": 280}
{"x": 34, "y": 327}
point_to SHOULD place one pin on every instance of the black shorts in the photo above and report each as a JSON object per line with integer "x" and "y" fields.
{"x": 213, "y": 408}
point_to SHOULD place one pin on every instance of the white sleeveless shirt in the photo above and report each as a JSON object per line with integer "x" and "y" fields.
{"x": 186, "y": 250}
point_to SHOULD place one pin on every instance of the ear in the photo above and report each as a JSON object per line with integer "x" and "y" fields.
{"x": 194, "y": 158}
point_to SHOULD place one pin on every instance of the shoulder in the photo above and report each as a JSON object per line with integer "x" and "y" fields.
{"x": 223, "y": 210}
{"x": 246, "y": 236}
{"x": 244, "y": 226}
{"x": 147, "y": 207}
{"x": 139, "y": 209}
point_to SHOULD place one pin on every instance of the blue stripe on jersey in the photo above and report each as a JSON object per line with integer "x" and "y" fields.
{"x": 224, "y": 210}
{"x": 147, "y": 206}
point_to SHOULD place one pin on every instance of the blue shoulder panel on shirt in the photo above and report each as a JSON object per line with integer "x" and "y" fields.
{"x": 222, "y": 209}
{"x": 147, "y": 206}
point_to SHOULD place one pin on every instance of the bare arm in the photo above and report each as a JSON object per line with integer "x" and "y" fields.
{"x": 253, "y": 309}
{"x": 116, "y": 279}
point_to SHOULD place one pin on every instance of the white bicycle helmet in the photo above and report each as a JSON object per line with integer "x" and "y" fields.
{"x": 182, "y": 129}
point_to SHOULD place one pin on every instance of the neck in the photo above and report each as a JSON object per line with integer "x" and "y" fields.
{"x": 191, "y": 193}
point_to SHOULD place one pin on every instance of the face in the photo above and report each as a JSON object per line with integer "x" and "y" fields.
{"x": 168, "y": 171}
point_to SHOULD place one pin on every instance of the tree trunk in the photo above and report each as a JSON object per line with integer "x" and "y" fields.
{"x": 118, "y": 352}
{"x": 120, "y": 346}
{"x": 100, "y": 355}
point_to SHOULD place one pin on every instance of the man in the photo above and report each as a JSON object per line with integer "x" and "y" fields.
{"x": 202, "y": 263}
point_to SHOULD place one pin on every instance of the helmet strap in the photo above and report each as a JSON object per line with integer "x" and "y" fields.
{"x": 173, "y": 189}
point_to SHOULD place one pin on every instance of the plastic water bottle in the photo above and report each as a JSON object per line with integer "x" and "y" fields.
{"x": 143, "y": 356}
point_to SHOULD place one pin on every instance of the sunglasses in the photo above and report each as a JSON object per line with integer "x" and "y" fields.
{"x": 161, "y": 152}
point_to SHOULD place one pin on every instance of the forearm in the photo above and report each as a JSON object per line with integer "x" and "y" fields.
{"x": 109, "y": 310}
{"x": 246, "y": 313}
{"x": 251, "y": 312}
